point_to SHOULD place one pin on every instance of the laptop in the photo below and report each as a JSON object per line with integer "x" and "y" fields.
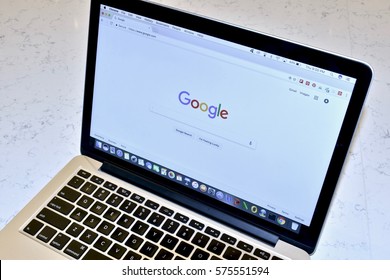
{"x": 200, "y": 140}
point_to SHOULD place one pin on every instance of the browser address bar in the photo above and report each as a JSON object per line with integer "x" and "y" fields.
{"x": 131, "y": 24}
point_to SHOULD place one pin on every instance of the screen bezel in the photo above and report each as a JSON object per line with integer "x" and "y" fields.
{"x": 308, "y": 236}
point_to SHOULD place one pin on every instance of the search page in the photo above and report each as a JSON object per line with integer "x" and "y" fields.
{"x": 259, "y": 137}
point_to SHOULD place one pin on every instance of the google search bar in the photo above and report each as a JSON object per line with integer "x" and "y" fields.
{"x": 202, "y": 126}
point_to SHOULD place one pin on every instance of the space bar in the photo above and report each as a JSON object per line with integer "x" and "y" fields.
{"x": 95, "y": 255}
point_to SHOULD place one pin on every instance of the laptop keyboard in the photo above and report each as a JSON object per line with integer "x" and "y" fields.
{"x": 91, "y": 218}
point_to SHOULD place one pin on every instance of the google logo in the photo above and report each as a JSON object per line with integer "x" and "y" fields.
{"x": 213, "y": 111}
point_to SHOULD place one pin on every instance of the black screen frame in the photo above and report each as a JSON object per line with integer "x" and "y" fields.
{"x": 308, "y": 236}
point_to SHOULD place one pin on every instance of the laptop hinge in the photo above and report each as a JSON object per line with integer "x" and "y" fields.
{"x": 190, "y": 203}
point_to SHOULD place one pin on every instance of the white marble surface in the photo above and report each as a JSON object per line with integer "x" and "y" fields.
{"x": 42, "y": 63}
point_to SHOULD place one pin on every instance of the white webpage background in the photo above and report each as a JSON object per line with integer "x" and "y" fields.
{"x": 294, "y": 137}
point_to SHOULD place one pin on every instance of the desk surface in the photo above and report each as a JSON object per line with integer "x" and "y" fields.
{"x": 42, "y": 64}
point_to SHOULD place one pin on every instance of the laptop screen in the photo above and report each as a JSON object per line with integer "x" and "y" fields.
{"x": 236, "y": 123}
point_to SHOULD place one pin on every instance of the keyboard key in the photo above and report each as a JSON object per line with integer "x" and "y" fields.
{"x": 149, "y": 249}
{"x": 184, "y": 249}
{"x": 119, "y": 234}
{"x": 228, "y": 239}
{"x": 78, "y": 214}
{"x": 112, "y": 214}
{"x": 46, "y": 234}
{"x": 84, "y": 174}
{"x": 132, "y": 256}
{"x": 181, "y": 218}
{"x": 101, "y": 194}
{"x": 95, "y": 255}
{"x": 185, "y": 232}
{"x": 60, "y": 241}
{"x": 102, "y": 243}
{"x": 125, "y": 221}
{"x": 245, "y": 246}
{"x": 124, "y": 192}
{"x": 156, "y": 219}
{"x": 197, "y": 225}
{"x": 139, "y": 227}
{"x": 154, "y": 235}
{"x": 60, "y": 205}
{"x": 262, "y": 254}
{"x": 200, "y": 240}
{"x": 85, "y": 201}
{"x": 169, "y": 241}
{"x": 98, "y": 208}
{"x": 92, "y": 221}
{"x": 200, "y": 255}
{"x": 166, "y": 211}
{"x": 151, "y": 204}
{"x": 117, "y": 251}
{"x": 88, "y": 188}
{"x": 212, "y": 232}
{"x": 75, "y": 249}
{"x": 141, "y": 213}
{"x": 69, "y": 194}
{"x": 170, "y": 226}
{"x": 232, "y": 253}
{"x": 88, "y": 236}
{"x": 105, "y": 228}
{"x": 97, "y": 180}
{"x": 110, "y": 186}
{"x": 216, "y": 247}
{"x": 33, "y": 227}
{"x": 134, "y": 242}
{"x": 163, "y": 255}
{"x": 137, "y": 198}
{"x": 114, "y": 200}
{"x": 76, "y": 182}
{"x": 53, "y": 219}
{"x": 128, "y": 206}
{"x": 75, "y": 229}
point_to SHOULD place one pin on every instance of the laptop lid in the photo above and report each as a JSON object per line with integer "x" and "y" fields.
{"x": 246, "y": 128}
